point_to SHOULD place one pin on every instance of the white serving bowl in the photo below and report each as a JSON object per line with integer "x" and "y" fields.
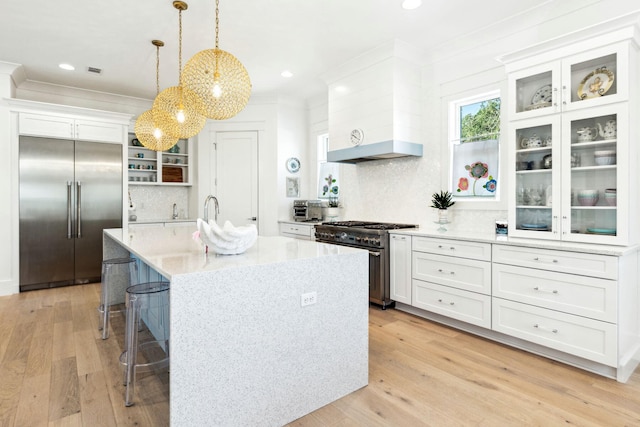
{"x": 611, "y": 199}
{"x": 604, "y": 161}
{"x": 588, "y": 197}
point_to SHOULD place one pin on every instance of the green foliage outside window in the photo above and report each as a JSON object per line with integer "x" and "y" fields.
{"x": 480, "y": 121}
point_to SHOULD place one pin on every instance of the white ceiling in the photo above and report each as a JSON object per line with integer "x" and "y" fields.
{"x": 307, "y": 37}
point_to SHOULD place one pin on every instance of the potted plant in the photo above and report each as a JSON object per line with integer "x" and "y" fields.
{"x": 442, "y": 201}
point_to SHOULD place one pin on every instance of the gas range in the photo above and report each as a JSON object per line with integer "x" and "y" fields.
{"x": 363, "y": 234}
{"x": 373, "y": 236}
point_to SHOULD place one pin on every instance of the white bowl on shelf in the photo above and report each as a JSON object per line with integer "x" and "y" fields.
{"x": 605, "y": 157}
{"x": 588, "y": 197}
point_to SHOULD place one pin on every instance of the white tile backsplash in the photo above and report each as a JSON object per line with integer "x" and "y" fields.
{"x": 156, "y": 202}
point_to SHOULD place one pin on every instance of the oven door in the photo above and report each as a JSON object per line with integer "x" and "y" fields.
{"x": 378, "y": 276}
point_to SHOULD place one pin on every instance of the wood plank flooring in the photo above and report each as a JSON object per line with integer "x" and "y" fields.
{"x": 55, "y": 370}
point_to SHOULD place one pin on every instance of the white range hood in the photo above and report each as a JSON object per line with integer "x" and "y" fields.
{"x": 379, "y": 93}
{"x": 375, "y": 151}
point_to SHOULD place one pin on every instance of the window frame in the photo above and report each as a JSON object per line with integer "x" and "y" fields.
{"x": 453, "y": 108}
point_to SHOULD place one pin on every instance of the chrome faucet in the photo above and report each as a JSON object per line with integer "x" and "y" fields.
{"x": 206, "y": 208}
{"x": 175, "y": 212}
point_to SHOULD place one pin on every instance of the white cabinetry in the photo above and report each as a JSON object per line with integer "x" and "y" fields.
{"x": 400, "y": 267}
{"x": 297, "y": 230}
{"x": 458, "y": 284}
{"x": 575, "y": 303}
{"x": 553, "y": 305}
{"x": 53, "y": 126}
{"x": 148, "y": 167}
{"x": 570, "y": 133}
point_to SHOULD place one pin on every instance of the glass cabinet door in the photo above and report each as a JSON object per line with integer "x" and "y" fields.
{"x": 535, "y": 177}
{"x": 594, "y": 162}
{"x": 534, "y": 91}
{"x": 595, "y": 77}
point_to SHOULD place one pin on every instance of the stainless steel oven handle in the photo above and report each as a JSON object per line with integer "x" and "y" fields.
{"x": 374, "y": 253}
{"x": 69, "y": 183}
{"x": 79, "y": 208}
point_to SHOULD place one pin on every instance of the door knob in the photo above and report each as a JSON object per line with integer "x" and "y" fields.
{"x": 253, "y": 218}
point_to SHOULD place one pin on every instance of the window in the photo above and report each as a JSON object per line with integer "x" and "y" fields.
{"x": 327, "y": 172}
{"x": 475, "y": 150}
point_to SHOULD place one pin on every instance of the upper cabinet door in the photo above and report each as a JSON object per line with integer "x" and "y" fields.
{"x": 534, "y": 91}
{"x": 596, "y": 77}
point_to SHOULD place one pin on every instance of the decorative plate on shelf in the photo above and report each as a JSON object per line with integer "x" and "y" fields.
{"x": 596, "y": 83}
{"x": 293, "y": 165}
{"x": 542, "y": 96}
{"x": 607, "y": 231}
{"x": 536, "y": 227}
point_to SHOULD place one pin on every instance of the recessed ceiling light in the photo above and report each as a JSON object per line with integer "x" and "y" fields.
{"x": 411, "y": 4}
{"x": 286, "y": 73}
{"x": 67, "y": 67}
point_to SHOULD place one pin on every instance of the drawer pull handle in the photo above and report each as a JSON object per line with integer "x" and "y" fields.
{"x": 444, "y": 272}
{"x": 453, "y": 248}
{"x": 440, "y": 301}
{"x": 555, "y": 261}
{"x": 554, "y": 291}
{"x": 555, "y": 331}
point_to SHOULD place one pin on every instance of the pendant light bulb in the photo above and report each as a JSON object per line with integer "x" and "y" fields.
{"x": 180, "y": 114}
{"x": 157, "y": 133}
{"x": 216, "y": 90}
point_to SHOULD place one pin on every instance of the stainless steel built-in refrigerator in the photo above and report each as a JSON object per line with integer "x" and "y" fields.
{"x": 69, "y": 192}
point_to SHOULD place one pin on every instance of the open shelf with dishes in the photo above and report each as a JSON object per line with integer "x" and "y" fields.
{"x": 148, "y": 167}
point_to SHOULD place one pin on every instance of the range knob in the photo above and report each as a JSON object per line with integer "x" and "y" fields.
{"x": 358, "y": 238}
{"x": 365, "y": 239}
{"x": 376, "y": 241}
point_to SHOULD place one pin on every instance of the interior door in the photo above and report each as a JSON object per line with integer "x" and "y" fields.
{"x": 236, "y": 177}
{"x": 98, "y": 189}
{"x": 46, "y": 212}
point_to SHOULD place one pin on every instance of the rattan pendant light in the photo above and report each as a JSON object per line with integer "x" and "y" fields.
{"x": 177, "y": 109}
{"x": 219, "y": 79}
{"x": 150, "y": 135}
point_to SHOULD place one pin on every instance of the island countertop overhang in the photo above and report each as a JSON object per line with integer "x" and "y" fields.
{"x": 173, "y": 251}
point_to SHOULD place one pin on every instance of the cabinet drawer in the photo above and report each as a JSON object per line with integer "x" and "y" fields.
{"x": 466, "y": 306}
{"x": 587, "y": 338}
{"x": 584, "y": 296}
{"x": 582, "y": 264}
{"x": 471, "y": 250}
{"x": 301, "y": 230}
{"x": 461, "y": 273}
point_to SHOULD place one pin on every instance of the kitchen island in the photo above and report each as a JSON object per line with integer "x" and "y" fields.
{"x": 244, "y": 349}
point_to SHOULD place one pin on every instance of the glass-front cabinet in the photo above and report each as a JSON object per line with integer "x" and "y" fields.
{"x": 572, "y": 141}
{"x": 567, "y": 175}
{"x": 596, "y": 77}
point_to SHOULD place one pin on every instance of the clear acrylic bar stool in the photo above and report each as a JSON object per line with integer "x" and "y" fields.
{"x": 117, "y": 275}
{"x": 146, "y": 333}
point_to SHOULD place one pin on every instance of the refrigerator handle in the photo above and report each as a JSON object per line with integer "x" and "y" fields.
{"x": 79, "y": 208}
{"x": 69, "y": 236}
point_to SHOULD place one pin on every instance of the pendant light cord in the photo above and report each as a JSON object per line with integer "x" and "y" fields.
{"x": 157, "y": 70}
{"x": 217, "y": 21}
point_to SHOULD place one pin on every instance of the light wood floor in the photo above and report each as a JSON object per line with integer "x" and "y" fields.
{"x": 56, "y": 371}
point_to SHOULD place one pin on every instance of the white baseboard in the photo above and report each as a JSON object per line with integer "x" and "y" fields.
{"x": 9, "y": 287}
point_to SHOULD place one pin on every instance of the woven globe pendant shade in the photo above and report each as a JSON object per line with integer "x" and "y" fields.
{"x": 150, "y": 135}
{"x": 221, "y": 82}
{"x": 176, "y": 110}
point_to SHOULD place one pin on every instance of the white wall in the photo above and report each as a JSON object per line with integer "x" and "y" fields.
{"x": 8, "y": 256}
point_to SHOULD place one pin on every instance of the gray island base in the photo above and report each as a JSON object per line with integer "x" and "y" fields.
{"x": 244, "y": 349}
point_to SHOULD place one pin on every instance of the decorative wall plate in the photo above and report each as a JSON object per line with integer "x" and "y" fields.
{"x": 293, "y": 164}
{"x": 542, "y": 95}
{"x": 596, "y": 83}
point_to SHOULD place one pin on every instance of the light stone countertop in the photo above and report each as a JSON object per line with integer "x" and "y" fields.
{"x": 173, "y": 251}
{"x": 518, "y": 241}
